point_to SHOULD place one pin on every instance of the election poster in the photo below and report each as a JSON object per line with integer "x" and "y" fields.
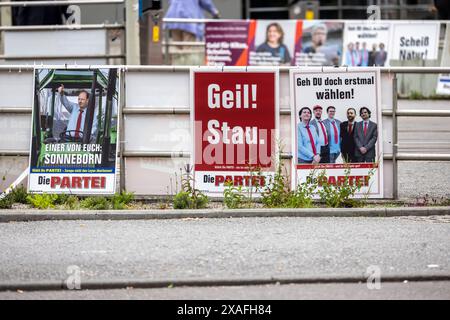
{"x": 337, "y": 130}
{"x": 234, "y": 118}
{"x": 74, "y": 131}
{"x": 415, "y": 40}
{"x": 275, "y": 43}
{"x": 443, "y": 85}
{"x": 366, "y": 44}
{"x": 321, "y": 43}
{"x": 227, "y": 43}
{"x": 253, "y": 43}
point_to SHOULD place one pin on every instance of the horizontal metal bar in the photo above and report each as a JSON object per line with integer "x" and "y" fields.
{"x": 37, "y": 58}
{"x": 388, "y": 70}
{"x": 155, "y": 110}
{"x": 15, "y": 110}
{"x": 418, "y": 113}
{"x": 185, "y": 20}
{"x": 30, "y": 67}
{"x": 184, "y": 43}
{"x": 63, "y": 27}
{"x": 156, "y": 154}
{"x": 165, "y": 68}
{"x": 286, "y": 156}
{"x": 57, "y": 3}
{"x": 268, "y": 9}
{"x": 424, "y": 113}
{"x": 186, "y": 110}
{"x": 381, "y": 6}
{"x": 423, "y": 157}
{"x": 13, "y": 153}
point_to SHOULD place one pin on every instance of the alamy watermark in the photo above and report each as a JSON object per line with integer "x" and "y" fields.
{"x": 73, "y": 281}
{"x": 373, "y": 274}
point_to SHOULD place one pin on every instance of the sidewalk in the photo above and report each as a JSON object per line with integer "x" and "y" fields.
{"x": 48, "y": 215}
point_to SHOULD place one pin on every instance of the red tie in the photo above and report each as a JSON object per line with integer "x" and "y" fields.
{"x": 350, "y": 128}
{"x": 313, "y": 145}
{"x": 324, "y": 132}
{"x": 365, "y": 129}
{"x": 78, "y": 124}
{"x": 335, "y": 133}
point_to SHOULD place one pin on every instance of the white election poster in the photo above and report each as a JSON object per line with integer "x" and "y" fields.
{"x": 366, "y": 44}
{"x": 443, "y": 86}
{"x": 336, "y": 116}
{"x": 74, "y": 131}
{"x": 415, "y": 40}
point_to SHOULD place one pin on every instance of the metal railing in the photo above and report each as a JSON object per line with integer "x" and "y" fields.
{"x": 400, "y": 10}
{"x": 104, "y": 26}
{"x": 391, "y": 111}
{"x": 57, "y": 3}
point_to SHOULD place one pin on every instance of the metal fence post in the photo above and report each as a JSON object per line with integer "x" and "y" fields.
{"x": 132, "y": 32}
{"x": 121, "y": 141}
{"x": 394, "y": 136}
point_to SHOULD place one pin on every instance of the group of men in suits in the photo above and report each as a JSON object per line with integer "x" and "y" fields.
{"x": 355, "y": 141}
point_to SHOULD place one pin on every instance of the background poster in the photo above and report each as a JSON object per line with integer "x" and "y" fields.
{"x": 343, "y": 90}
{"x": 366, "y": 44}
{"x": 227, "y": 42}
{"x": 321, "y": 43}
{"x": 234, "y": 121}
{"x": 415, "y": 40}
{"x": 443, "y": 86}
{"x": 74, "y": 131}
{"x": 275, "y": 42}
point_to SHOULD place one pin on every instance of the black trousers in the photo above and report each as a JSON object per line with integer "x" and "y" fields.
{"x": 365, "y": 158}
{"x": 325, "y": 154}
{"x": 349, "y": 157}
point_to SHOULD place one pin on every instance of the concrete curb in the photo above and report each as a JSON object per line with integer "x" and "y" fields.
{"x": 159, "y": 284}
{"x": 49, "y": 215}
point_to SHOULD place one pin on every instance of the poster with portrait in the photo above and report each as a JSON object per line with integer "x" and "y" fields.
{"x": 414, "y": 40}
{"x": 275, "y": 42}
{"x": 321, "y": 43}
{"x": 366, "y": 44}
{"x": 74, "y": 131}
{"x": 336, "y": 121}
{"x": 234, "y": 117}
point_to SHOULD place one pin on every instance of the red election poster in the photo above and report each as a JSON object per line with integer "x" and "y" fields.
{"x": 235, "y": 125}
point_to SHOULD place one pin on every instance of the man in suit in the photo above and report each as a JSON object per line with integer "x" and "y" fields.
{"x": 366, "y": 134}
{"x": 348, "y": 136}
{"x": 75, "y": 126}
{"x": 323, "y": 133}
{"x": 334, "y": 127}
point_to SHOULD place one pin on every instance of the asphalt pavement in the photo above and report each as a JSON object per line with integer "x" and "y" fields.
{"x": 210, "y": 249}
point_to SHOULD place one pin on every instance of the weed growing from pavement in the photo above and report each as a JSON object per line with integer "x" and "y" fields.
{"x": 189, "y": 197}
{"x": 233, "y": 197}
{"x": 6, "y": 202}
{"x": 278, "y": 194}
{"x": 19, "y": 195}
{"x": 427, "y": 201}
{"x": 43, "y": 201}
{"x": 341, "y": 195}
{"x": 236, "y": 197}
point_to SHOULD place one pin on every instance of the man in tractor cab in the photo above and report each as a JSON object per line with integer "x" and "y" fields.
{"x": 75, "y": 126}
